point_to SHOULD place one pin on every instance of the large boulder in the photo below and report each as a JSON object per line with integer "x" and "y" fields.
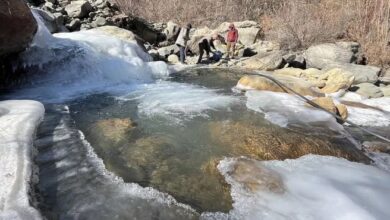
{"x": 17, "y": 26}
{"x": 262, "y": 83}
{"x": 385, "y": 77}
{"x": 337, "y": 79}
{"x": 249, "y": 31}
{"x": 322, "y": 55}
{"x": 265, "y": 61}
{"x": 78, "y": 9}
{"x": 121, "y": 33}
{"x": 386, "y": 91}
{"x": 166, "y": 51}
{"x": 369, "y": 90}
{"x": 171, "y": 31}
{"x": 264, "y": 46}
{"x": 363, "y": 74}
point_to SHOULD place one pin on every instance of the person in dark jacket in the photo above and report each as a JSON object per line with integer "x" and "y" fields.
{"x": 205, "y": 45}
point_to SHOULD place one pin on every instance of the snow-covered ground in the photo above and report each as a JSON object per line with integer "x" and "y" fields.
{"x": 315, "y": 187}
{"x": 18, "y": 123}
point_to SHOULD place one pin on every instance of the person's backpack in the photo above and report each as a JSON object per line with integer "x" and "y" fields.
{"x": 217, "y": 56}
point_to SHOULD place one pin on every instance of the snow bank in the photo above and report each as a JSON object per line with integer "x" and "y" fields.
{"x": 316, "y": 187}
{"x": 18, "y": 122}
{"x": 377, "y": 116}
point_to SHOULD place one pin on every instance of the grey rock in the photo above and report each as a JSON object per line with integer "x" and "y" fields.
{"x": 362, "y": 73}
{"x": 100, "y": 21}
{"x": 269, "y": 61}
{"x": 74, "y": 25}
{"x": 78, "y": 9}
{"x": 166, "y": 51}
{"x": 52, "y": 1}
{"x": 323, "y": 55}
{"x": 85, "y": 26}
{"x": 368, "y": 90}
{"x": 92, "y": 14}
{"x": 59, "y": 18}
{"x": 386, "y": 91}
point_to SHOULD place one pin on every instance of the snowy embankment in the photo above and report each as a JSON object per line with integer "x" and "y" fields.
{"x": 18, "y": 123}
{"x": 311, "y": 187}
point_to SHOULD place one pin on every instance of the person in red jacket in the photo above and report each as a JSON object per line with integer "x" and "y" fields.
{"x": 232, "y": 38}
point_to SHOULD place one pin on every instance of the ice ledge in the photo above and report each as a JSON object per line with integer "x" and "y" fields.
{"x": 18, "y": 122}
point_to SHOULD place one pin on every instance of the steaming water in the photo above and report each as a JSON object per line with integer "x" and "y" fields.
{"x": 164, "y": 167}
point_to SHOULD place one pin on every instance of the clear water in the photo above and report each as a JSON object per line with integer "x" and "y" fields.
{"x": 176, "y": 143}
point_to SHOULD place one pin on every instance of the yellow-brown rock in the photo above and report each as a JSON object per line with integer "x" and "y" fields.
{"x": 262, "y": 83}
{"x": 255, "y": 177}
{"x": 326, "y": 103}
{"x": 269, "y": 143}
{"x": 114, "y": 129}
{"x": 342, "y": 111}
{"x": 337, "y": 79}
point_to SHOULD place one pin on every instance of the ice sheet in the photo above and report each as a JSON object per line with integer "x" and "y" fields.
{"x": 283, "y": 109}
{"x": 178, "y": 101}
{"x": 18, "y": 122}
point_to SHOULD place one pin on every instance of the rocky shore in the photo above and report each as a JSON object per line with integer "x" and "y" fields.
{"x": 328, "y": 69}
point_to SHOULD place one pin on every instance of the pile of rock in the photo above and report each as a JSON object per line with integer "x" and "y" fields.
{"x": 78, "y": 14}
{"x": 249, "y": 42}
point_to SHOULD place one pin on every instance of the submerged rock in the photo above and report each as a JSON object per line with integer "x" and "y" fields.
{"x": 157, "y": 161}
{"x": 255, "y": 178}
{"x": 375, "y": 146}
{"x": 115, "y": 129}
{"x": 267, "y": 143}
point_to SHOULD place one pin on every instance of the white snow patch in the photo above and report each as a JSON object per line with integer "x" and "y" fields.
{"x": 317, "y": 187}
{"x": 18, "y": 122}
{"x": 369, "y": 116}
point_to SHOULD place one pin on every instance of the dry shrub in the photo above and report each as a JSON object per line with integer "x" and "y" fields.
{"x": 301, "y": 23}
{"x": 296, "y": 24}
{"x": 371, "y": 27}
{"x": 198, "y": 12}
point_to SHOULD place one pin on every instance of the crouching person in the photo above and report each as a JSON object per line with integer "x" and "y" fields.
{"x": 206, "y": 44}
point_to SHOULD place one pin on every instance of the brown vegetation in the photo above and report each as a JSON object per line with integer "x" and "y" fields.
{"x": 295, "y": 24}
